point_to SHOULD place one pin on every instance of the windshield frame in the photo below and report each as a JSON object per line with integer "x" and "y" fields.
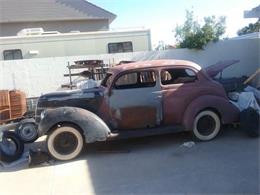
{"x": 108, "y": 76}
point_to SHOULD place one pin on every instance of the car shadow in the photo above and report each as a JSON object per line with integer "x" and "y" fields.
{"x": 162, "y": 164}
{"x": 39, "y": 156}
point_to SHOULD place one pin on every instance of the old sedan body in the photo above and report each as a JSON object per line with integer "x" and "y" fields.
{"x": 135, "y": 99}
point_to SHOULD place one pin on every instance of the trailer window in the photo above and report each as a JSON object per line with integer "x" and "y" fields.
{"x": 120, "y": 47}
{"x": 12, "y": 54}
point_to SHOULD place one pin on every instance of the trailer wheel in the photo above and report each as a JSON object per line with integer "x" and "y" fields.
{"x": 11, "y": 147}
{"x": 206, "y": 125}
{"x": 65, "y": 143}
{"x": 27, "y": 132}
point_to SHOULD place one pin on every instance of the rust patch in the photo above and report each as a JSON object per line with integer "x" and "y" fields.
{"x": 137, "y": 117}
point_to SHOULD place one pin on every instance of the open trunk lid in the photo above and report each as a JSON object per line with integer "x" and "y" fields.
{"x": 215, "y": 69}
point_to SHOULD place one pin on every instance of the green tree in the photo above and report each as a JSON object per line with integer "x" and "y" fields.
{"x": 194, "y": 35}
{"x": 250, "y": 28}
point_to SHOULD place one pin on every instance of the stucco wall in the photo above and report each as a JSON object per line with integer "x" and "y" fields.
{"x": 37, "y": 76}
{"x": 11, "y": 29}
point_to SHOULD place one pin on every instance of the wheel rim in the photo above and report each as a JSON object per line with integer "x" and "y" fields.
{"x": 65, "y": 143}
{"x": 206, "y": 125}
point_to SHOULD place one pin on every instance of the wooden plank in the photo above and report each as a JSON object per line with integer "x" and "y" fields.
{"x": 252, "y": 76}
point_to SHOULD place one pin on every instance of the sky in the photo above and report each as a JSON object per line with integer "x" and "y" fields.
{"x": 163, "y": 16}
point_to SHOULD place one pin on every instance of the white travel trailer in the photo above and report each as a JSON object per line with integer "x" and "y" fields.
{"x": 35, "y": 43}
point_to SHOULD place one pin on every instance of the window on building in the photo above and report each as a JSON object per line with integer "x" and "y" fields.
{"x": 120, "y": 47}
{"x": 136, "y": 80}
{"x": 12, "y": 54}
{"x": 177, "y": 75}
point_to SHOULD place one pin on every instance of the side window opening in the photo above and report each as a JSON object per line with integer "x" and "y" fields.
{"x": 127, "y": 81}
{"x": 136, "y": 80}
{"x": 147, "y": 79}
{"x": 12, "y": 54}
{"x": 177, "y": 75}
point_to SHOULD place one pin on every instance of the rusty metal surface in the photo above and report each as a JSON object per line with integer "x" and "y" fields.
{"x": 179, "y": 97}
{"x": 154, "y": 64}
{"x": 215, "y": 69}
{"x": 137, "y": 117}
{"x": 227, "y": 111}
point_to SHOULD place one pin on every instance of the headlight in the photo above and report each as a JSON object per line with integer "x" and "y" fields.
{"x": 1, "y": 135}
{"x": 43, "y": 114}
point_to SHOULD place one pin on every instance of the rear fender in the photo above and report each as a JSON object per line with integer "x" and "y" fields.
{"x": 227, "y": 112}
{"x": 93, "y": 127}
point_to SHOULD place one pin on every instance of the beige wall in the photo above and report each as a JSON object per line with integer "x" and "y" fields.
{"x": 11, "y": 29}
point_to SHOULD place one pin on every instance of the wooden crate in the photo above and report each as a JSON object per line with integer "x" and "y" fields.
{"x": 12, "y": 105}
{"x": 5, "y": 109}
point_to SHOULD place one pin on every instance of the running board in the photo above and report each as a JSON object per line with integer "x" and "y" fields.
{"x": 125, "y": 134}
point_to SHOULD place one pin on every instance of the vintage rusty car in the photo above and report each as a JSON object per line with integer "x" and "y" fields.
{"x": 135, "y": 99}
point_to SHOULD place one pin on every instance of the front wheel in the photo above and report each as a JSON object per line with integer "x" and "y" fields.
{"x": 206, "y": 125}
{"x": 65, "y": 143}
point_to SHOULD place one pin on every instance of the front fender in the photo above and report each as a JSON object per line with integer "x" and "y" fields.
{"x": 227, "y": 111}
{"x": 93, "y": 127}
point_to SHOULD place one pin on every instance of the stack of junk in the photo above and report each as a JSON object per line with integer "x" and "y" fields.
{"x": 247, "y": 100}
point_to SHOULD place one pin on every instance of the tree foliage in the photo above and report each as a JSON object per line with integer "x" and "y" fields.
{"x": 194, "y": 35}
{"x": 250, "y": 28}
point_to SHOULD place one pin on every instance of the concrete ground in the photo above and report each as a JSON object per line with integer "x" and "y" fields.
{"x": 152, "y": 165}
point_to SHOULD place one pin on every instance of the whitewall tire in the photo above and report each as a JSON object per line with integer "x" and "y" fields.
{"x": 65, "y": 143}
{"x": 206, "y": 125}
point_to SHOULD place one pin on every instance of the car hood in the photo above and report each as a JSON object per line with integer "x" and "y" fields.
{"x": 215, "y": 69}
{"x": 72, "y": 94}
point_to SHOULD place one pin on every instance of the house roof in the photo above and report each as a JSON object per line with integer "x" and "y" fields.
{"x": 51, "y": 10}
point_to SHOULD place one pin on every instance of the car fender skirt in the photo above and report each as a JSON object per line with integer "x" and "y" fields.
{"x": 227, "y": 112}
{"x": 92, "y": 126}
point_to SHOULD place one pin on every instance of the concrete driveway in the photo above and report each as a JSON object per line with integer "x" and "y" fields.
{"x": 153, "y": 165}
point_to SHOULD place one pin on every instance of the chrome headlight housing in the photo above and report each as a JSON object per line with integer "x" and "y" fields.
{"x": 43, "y": 114}
{"x": 1, "y": 135}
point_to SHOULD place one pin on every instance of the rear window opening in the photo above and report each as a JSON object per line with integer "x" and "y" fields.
{"x": 177, "y": 75}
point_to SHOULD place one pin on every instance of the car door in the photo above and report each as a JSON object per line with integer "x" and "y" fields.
{"x": 135, "y": 100}
{"x": 179, "y": 87}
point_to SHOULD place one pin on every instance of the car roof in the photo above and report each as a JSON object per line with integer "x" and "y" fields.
{"x": 154, "y": 63}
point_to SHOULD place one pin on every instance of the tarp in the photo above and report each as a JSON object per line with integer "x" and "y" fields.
{"x": 246, "y": 100}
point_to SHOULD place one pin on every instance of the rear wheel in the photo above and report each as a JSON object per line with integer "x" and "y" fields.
{"x": 65, "y": 143}
{"x": 206, "y": 125}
